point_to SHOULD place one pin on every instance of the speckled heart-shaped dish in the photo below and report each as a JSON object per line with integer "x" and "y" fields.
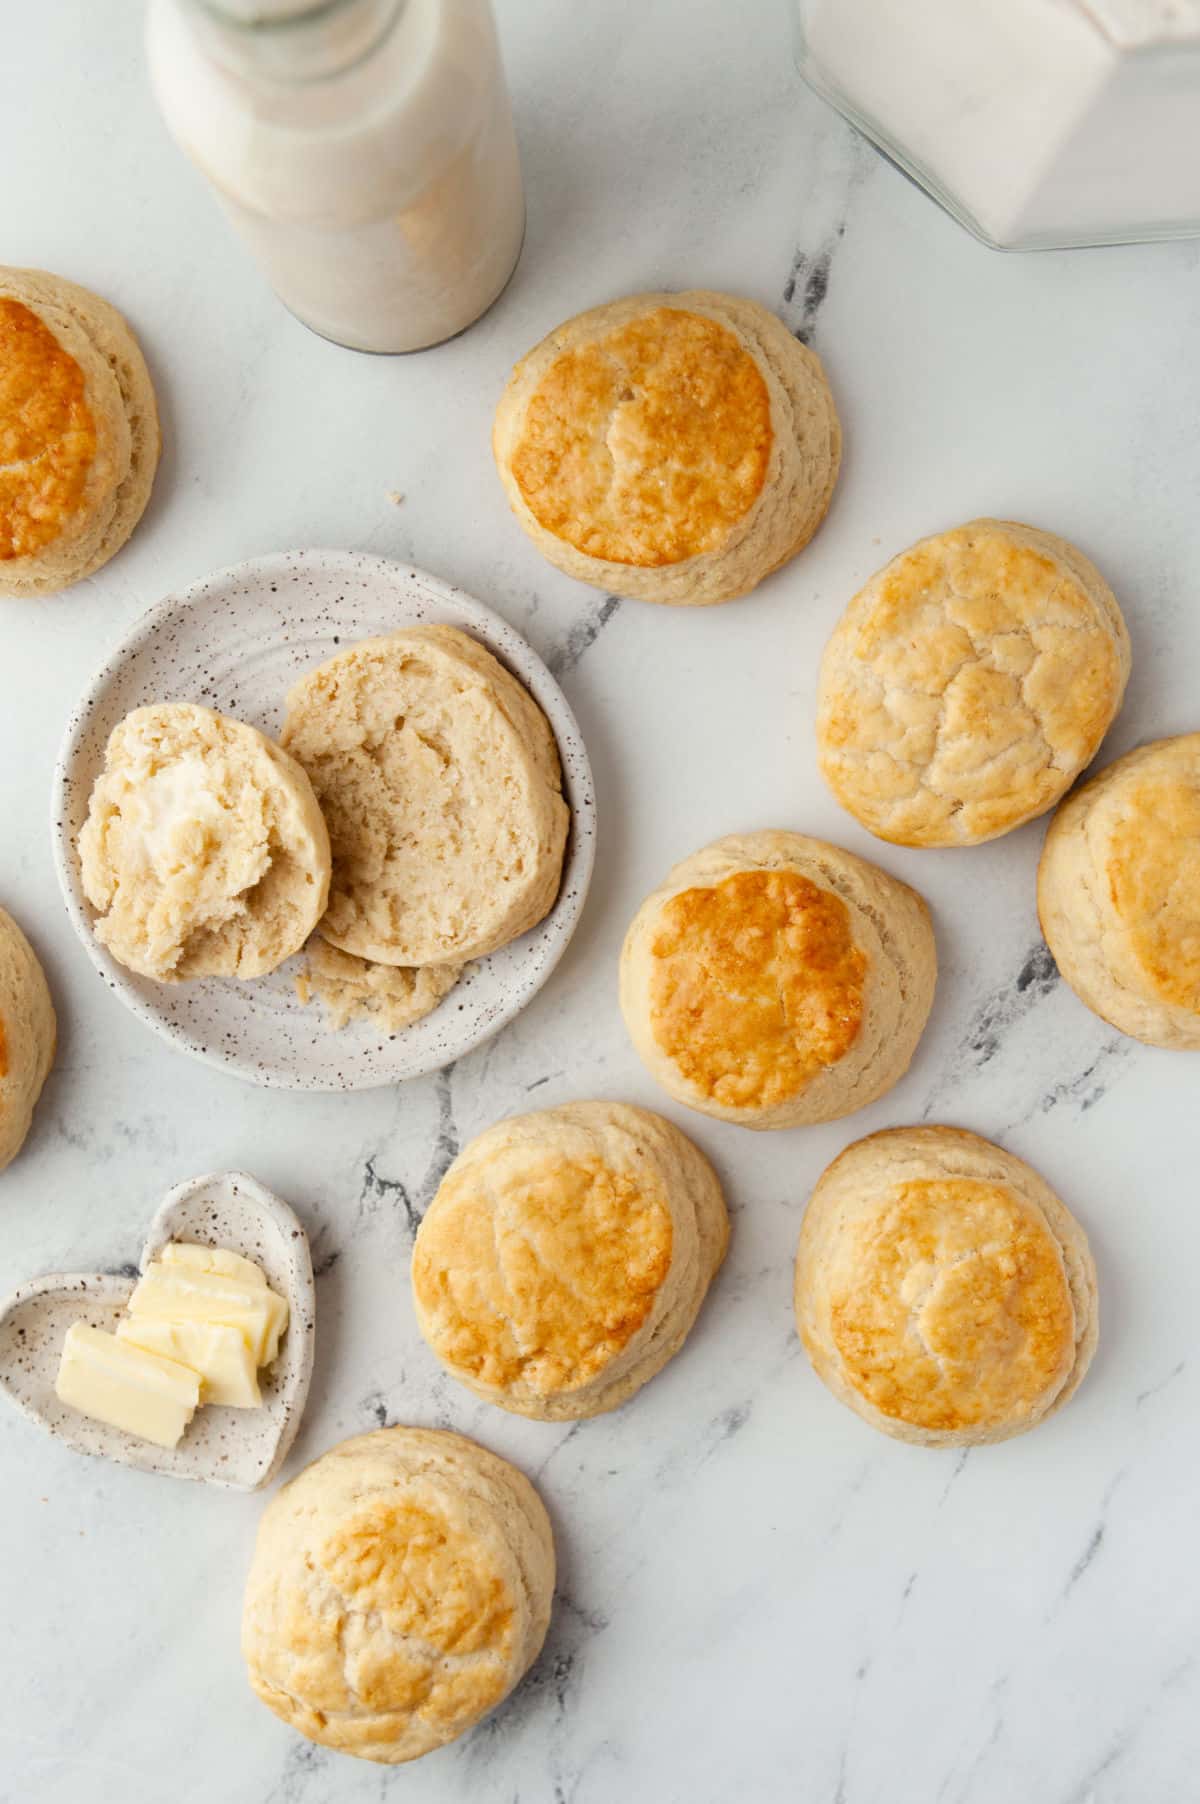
{"x": 241, "y": 1449}
{"x": 237, "y": 642}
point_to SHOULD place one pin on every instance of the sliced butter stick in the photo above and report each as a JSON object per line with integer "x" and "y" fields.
{"x": 176, "y": 1294}
{"x": 125, "y": 1386}
{"x": 211, "y": 1259}
{"x": 219, "y": 1354}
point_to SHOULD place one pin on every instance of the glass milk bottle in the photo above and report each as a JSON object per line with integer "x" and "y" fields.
{"x": 364, "y": 150}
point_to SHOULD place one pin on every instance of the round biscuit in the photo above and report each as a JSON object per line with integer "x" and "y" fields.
{"x": 943, "y": 1291}
{"x": 399, "y": 1589}
{"x": 969, "y": 683}
{"x": 775, "y": 980}
{"x": 565, "y": 1257}
{"x": 79, "y": 434}
{"x": 673, "y": 448}
{"x": 1119, "y": 892}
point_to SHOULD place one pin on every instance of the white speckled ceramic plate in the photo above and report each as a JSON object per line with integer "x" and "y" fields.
{"x": 237, "y": 642}
{"x": 241, "y": 1449}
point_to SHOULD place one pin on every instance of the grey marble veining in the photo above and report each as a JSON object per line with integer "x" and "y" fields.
{"x": 758, "y": 1598}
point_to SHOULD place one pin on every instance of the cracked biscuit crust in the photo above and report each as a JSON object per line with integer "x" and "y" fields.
{"x": 1119, "y": 892}
{"x": 79, "y": 438}
{"x": 969, "y": 683}
{"x": 400, "y": 1588}
{"x": 943, "y": 1291}
{"x": 566, "y": 1256}
{"x": 775, "y": 980}
{"x": 669, "y": 447}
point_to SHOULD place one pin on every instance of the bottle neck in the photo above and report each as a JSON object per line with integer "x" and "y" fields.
{"x": 292, "y": 41}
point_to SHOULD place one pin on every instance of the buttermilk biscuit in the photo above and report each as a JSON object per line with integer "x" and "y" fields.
{"x": 27, "y": 1036}
{"x": 393, "y": 996}
{"x": 439, "y": 778}
{"x": 1119, "y": 892}
{"x": 400, "y": 1587}
{"x": 942, "y": 1289}
{"x": 79, "y": 435}
{"x": 774, "y": 980}
{"x": 204, "y": 852}
{"x": 565, "y": 1257}
{"x": 968, "y": 684}
{"x": 671, "y": 447}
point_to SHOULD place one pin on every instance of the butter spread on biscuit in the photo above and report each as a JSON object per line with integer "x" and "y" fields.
{"x": 171, "y": 809}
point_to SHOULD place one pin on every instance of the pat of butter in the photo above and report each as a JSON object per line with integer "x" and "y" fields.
{"x": 179, "y": 1294}
{"x": 211, "y": 1259}
{"x": 220, "y": 1356}
{"x": 125, "y": 1386}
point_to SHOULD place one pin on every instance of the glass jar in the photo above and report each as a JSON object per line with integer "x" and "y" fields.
{"x": 1036, "y": 123}
{"x": 364, "y": 149}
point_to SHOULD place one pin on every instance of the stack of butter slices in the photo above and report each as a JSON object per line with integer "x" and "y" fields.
{"x": 202, "y": 1321}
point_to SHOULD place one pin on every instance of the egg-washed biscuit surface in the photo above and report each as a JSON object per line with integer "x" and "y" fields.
{"x": 942, "y": 1290}
{"x": 439, "y": 778}
{"x": 969, "y": 684}
{"x": 1119, "y": 892}
{"x": 774, "y": 979}
{"x": 757, "y": 985}
{"x": 591, "y": 463}
{"x": 47, "y": 433}
{"x": 400, "y": 1587}
{"x": 566, "y": 1255}
{"x": 673, "y": 448}
{"x": 79, "y": 438}
{"x": 28, "y": 1033}
{"x": 204, "y": 853}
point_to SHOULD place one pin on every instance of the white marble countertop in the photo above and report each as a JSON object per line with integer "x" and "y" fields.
{"x": 760, "y": 1598}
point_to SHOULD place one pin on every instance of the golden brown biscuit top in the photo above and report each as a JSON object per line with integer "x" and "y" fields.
{"x": 648, "y": 445}
{"x": 950, "y": 1306}
{"x": 1153, "y": 870}
{"x": 539, "y": 1269}
{"x": 969, "y": 676}
{"x": 410, "y": 1564}
{"x": 3, "y": 1049}
{"x": 756, "y": 985}
{"x": 404, "y": 1613}
{"x": 47, "y": 433}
